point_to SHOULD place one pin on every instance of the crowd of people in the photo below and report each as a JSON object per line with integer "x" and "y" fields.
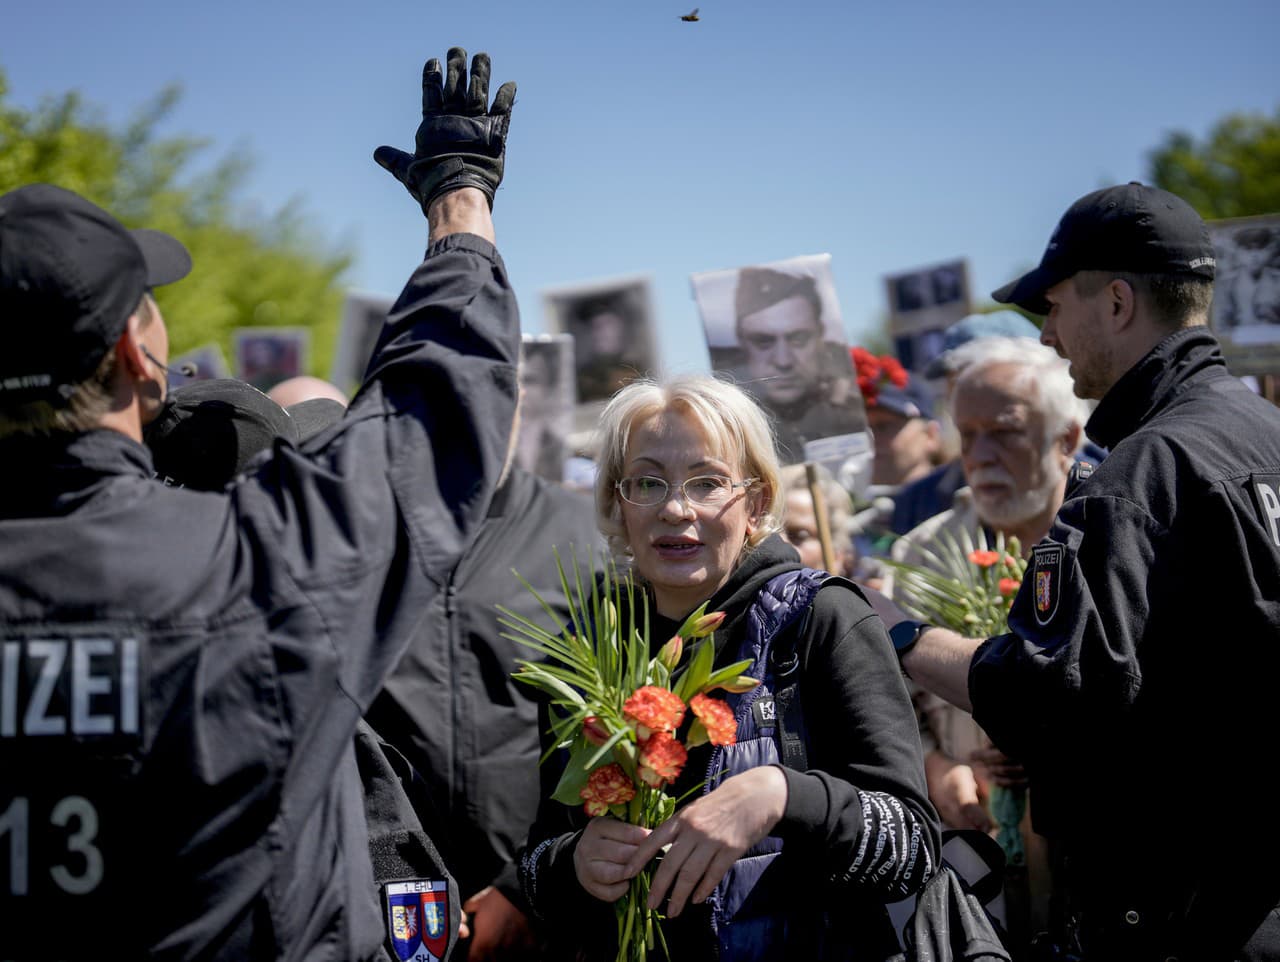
{"x": 256, "y": 697}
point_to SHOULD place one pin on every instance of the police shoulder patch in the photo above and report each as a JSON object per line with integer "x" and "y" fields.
{"x": 1266, "y": 498}
{"x": 417, "y": 919}
{"x": 1046, "y": 568}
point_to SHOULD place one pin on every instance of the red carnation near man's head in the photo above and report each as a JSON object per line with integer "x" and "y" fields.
{"x": 894, "y": 371}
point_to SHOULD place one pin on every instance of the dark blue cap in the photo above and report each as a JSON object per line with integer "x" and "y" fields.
{"x": 912, "y": 401}
{"x": 70, "y": 276}
{"x": 993, "y": 324}
{"x": 1131, "y": 228}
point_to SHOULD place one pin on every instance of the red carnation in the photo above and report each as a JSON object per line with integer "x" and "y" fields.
{"x": 1009, "y": 586}
{"x": 984, "y": 559}
{"x": 894, "y": 370}
{"x": 607, "y": 785}
{"x": 654, "y": 709}
{"x": 661, "y": 759}
{"x": 865, "y": 363}
{"x": 867, "y": 387}
{"x": 717, "y": 717}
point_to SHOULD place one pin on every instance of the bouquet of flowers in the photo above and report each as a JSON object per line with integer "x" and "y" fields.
{"x": 968, "y": 586}
{"x": 618, "y": 711}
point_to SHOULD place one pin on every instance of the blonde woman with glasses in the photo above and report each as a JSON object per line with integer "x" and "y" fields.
{"x": 776, "y": 850}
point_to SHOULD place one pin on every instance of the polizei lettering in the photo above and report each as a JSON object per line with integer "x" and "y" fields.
{"x": 1266, "y": 493}
{"x": 85, "y": 687}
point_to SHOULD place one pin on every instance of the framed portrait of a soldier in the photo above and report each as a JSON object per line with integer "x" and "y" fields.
{"x": 546, "y": 404}
{"x": 923, "y": 302}
{"x": 612, "y": 327}
{"x": 363, "y": 315}
{"x": 777, "y": 331}
{"x": 265, "y": 356}
{"x": 1246, "y": 292}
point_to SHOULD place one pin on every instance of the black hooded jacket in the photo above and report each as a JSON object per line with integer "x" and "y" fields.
{"x": 452, "y": 706}
{"x": 862, "y": 737}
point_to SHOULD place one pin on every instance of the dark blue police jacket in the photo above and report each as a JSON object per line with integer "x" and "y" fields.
{"x": 181, "y": 672}
{"x": 1138, "y": 684}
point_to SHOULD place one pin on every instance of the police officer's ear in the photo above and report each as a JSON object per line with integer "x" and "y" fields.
{"x": 131, "y": 358}
{"x": 1121, "y": 303}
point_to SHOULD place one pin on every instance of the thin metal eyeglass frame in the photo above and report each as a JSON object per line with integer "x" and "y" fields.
{"x": 684, "y": 491}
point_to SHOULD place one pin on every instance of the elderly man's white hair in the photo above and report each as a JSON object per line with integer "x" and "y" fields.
{"x": 1038, "y": 366}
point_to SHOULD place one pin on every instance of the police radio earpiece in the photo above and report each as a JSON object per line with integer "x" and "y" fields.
{"x": 185, "y": 369}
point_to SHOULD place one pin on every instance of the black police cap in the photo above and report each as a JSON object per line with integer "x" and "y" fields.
{"x": 1131, "y": 228}
{"x": 70, "y": 276}
{"x": 208, "y": 432}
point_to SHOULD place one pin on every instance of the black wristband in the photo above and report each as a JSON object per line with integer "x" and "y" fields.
{"x": 905, "y": 634}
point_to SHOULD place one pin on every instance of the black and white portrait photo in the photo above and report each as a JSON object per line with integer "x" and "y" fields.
{"x": 611, "y": 323}
{"x": 1246, "y": 292}
{"x": 776, "y": 329}
{"x": 546, "y": 404}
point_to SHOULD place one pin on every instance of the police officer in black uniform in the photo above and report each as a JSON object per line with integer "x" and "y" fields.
{"x": 182, "y": 672}
{"x": 1137, "y": 681}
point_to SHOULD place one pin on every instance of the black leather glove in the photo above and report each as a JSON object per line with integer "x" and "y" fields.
{"x": 461, "y": 141}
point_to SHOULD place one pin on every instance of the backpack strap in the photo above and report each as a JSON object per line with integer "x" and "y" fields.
{"x": 785, "y": 663}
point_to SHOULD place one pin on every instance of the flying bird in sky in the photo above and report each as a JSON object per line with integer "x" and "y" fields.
{"x": 691, "y": 17}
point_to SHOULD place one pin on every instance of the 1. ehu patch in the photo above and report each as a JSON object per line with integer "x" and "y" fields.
{"x": 1266, "y": 495}
{"x": 765, "y": 711}
{"x": 1046, "y": 577}
{"x": 417, "y": 919}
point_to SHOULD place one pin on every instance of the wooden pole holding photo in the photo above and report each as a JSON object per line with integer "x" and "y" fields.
{"x": 820, "y": 516}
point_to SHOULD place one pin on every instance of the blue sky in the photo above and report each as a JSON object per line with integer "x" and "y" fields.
{"x": 888, "y": 135}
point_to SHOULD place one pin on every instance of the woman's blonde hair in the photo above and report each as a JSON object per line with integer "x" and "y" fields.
{"x": 737, "y": 432}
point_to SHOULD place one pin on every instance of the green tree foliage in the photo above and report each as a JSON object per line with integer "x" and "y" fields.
{"x": 249, "y": 271}
{"x": 1234, "y": 172}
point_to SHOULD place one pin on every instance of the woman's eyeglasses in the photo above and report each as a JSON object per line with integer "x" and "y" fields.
{"x": 646, "y": 491}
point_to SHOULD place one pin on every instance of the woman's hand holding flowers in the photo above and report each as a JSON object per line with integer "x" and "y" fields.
{"x": 708, "y": 835}
{"x": 603, "y": 856}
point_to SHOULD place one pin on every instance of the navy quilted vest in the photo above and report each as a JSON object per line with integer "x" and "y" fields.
{"x": 747, "y": 930}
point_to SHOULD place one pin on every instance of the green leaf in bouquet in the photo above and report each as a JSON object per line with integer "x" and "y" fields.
{"x": 565, "y": 648}
{"x": 637, "y": 641}
{"x": 658, "y": 674}
{"x": 695, "y": 676}
{"x": 607, "y": 747}
{"x": 686, "y": 630}
{"x": 576, "y": 611}
{"x": 541, "y": 676}
{"x": 574, "y": 779}
{"x": 586, "y": 683}
{"x": 728, "y": 673}
{"x": 624, "y": 753}
{"x": 565, "y": 730}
